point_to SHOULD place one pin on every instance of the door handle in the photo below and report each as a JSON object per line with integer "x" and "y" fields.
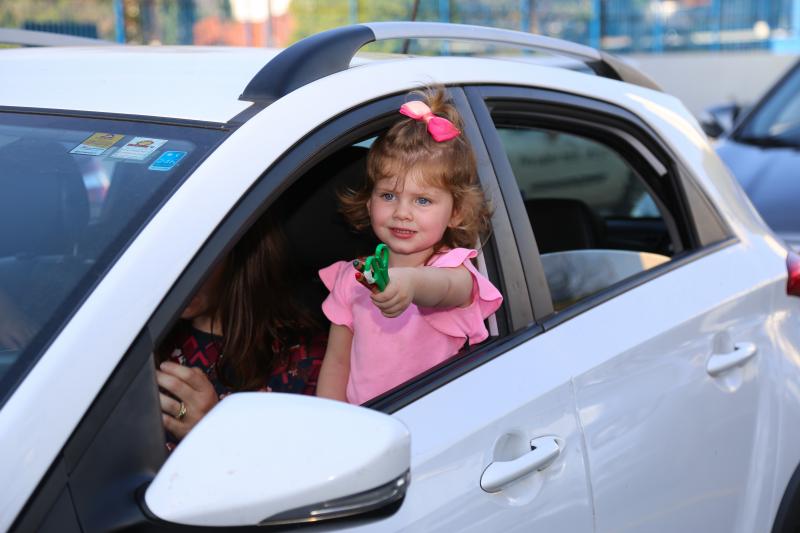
{"x": 498, "y": 474}
{"x": 720, "y": 362}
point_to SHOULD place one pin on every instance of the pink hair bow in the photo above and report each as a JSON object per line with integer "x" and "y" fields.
{"x": 440, "y": 128}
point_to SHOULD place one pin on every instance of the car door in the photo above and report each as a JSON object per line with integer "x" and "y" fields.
{"x": 665, "y": 325}
{"x": 496, "y": 444}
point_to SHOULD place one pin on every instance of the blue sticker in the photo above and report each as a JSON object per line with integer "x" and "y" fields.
{"x": 167, "y": 160}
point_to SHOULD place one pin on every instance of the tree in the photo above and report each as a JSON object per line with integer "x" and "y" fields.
{"x": 314, "y": 16}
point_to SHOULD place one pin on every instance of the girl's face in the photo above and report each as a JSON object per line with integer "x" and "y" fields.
{"x": 410, "y": 218}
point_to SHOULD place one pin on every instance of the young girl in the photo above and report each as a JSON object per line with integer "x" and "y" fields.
{"x": 423, "y": 200}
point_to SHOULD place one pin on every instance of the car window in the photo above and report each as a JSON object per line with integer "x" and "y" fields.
{"x": 553, "y": 164}
{"x": 777, "y": 119}
{"x": 594, "y": 218}
{"x": 72, "y": 193}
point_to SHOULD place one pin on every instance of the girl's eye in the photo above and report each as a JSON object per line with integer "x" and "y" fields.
{"x": 423, "y": 201}
{"x": 388, "y": 196}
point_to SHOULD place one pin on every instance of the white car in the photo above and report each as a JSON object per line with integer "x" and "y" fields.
{"x": 643, "y": 373}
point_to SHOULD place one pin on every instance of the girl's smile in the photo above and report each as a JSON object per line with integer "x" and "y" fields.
{"x": 402, "y": 233}
{"x": 410, "y": 217}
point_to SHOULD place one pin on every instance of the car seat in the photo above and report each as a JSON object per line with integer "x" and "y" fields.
{"x": 318, "y": 234}
{"x": 43, "y": 205}
{"x": 44, "y": 211}
{"x": 564, "y": 224}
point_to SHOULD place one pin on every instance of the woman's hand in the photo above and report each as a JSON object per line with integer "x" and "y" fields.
{"x": 192, "y": 387}
{"x": 398, "y": 294}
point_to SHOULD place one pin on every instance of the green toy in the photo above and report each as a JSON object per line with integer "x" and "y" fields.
{"x": 373, "y": 272}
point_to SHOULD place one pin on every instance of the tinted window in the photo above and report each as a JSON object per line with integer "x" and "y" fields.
{"x": 73, "y": 191}
{"x": 778, "y": 118}
{"x": 551, "y": 164}
{"x": 595, "y": 220}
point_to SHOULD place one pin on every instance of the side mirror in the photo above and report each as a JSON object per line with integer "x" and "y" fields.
{"x": 271, "y": 458}
{"x": 718, "y": 120}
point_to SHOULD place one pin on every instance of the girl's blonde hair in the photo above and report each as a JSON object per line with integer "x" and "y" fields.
{"x": 408, "y": 149}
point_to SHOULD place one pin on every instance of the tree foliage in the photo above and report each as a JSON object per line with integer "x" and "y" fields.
{"x": 13, "y": 14}
{"x": 313, "y": 16}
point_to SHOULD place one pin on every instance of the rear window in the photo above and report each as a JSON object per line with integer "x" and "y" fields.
{"x": 73, "y": 192}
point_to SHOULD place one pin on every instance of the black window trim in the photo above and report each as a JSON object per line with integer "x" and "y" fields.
{"x": 101, "y": 115}
{"x": 511, "y": 272}
{"x": 478, "y": 95}
{"x": 297, "y": 161}
{"x": 538, "y": 289}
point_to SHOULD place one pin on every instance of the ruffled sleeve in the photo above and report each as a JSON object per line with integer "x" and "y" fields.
{"x": 338, "y": 305}
{"x": 466, "y": 321}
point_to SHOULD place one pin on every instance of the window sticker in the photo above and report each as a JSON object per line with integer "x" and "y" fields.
{"x": 166, "y": 161}
{"x": 96, "y": 144}
{"x": 139, "y": 148}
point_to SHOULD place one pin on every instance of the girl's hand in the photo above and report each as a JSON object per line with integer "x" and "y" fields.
{"x": 398, "y": 294}
{"x": 192, "y": 387}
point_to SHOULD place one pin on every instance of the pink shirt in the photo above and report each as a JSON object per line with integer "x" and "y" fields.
{"x": 389, "y": 351}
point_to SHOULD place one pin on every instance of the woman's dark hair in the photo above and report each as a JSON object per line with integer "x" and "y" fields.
{"x": 256, "y": 308}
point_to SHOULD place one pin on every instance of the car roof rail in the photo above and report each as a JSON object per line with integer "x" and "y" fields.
{"x": 16, "y": 36}
{"x": 331, "y": 51}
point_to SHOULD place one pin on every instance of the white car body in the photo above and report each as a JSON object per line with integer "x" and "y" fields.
{"x": 648, "y": 440}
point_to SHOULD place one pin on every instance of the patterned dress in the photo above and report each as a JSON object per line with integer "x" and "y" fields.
{"x": 298, "y": 373}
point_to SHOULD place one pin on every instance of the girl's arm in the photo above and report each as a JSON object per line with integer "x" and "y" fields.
{"x": 425, "y": 287}
{"x": 335, "y": 369}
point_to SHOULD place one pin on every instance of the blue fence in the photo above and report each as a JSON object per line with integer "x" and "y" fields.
{"x": 634, "y": 25}
{"x": 622, "y": 26}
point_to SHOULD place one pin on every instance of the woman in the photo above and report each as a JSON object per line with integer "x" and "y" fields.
{"x": 242, "y": 331}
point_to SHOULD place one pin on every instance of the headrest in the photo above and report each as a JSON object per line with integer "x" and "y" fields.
{"x": 44, "y": 207}
{"x": 127, "y": 191}
{"x": 318, "y": 234}
{"x": 564, "y": 224}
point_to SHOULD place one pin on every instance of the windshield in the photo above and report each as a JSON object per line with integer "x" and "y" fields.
{"x": 776, "y": 122}
{"x": 73, "y": 192}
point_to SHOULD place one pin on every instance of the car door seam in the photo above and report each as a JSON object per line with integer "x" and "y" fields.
{"x": 584, "y": 446}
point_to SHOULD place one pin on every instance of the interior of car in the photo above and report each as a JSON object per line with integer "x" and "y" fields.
{"x": 318, "y": 234}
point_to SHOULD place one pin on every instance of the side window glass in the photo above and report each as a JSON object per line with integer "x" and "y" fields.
{"x": 595, "y": 220}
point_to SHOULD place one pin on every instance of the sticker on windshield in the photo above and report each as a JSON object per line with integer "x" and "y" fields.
{"x": 139, "y": 148}
{"x": 96, "y": 144}
{"x": 166, "y": 161}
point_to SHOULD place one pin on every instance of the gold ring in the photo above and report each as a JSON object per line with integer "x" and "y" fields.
{"x": 181, "y": 412}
